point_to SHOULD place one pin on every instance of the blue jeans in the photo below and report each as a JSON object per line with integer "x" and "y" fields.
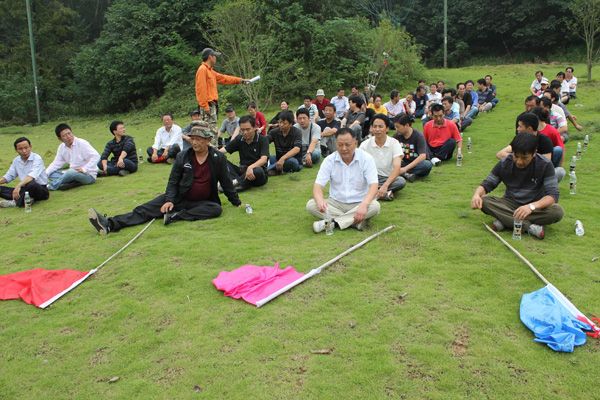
{"x": 422, "y": 169}
{"x": 557, "y": 153}
{"x": 290, "y": 165}
{"x": 495, "y": 101}
{"x": 112, "y": 169}
{"x": 472, "y": 112}
{"x": 315, "y": 155}
{"x": 67, "y": 179}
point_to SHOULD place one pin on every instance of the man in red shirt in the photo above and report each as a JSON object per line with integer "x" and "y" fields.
{"x": 321, "y": 101}
{"x": 206, "y": 87}
{"x": 442, "y": 136}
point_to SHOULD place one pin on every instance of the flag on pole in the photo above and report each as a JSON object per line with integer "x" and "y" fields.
{"x": 40, "y": 287}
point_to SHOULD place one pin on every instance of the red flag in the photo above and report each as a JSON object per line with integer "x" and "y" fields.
{"x": 40, "y": 287}
{"x": 253, "y": 283}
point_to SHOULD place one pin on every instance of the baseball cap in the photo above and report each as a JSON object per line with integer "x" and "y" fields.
{"x": 229, "y": 108}
{"x": 209, "y": 52}
{"x": 194, "y": 112}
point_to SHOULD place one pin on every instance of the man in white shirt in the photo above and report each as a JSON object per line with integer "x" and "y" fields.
{"x": 571, "y": 81}
{"x": 168, "y": 142}
{"x": 536, "y": 85}
{"x": 311, "y": 137}
{"x": 29, "y": 168}
{"x": 81, "y": 157}
{"x": 394, "y": 107}
{"x": 313, "y": 111}
{"x": 387, "y": 153}
{"x": 352, "y": 176}
{"x": 341, "y": 104}
{"x": 408, "y": 104}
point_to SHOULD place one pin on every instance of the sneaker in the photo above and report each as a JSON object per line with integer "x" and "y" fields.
{"x": 98, "y": 221}
{"x": 8, "y": 203}
{"x": 169, "y": 218}
{"x": 219, "y": 187}
{"x": 389, "y": 196}
{"x": 123, "y": 172}
{"x": 409, "y": 177}
{"x": 497, "y": 226}
{"x": 537, "y": 231}
{"x": 319, "y": 226}
{"x": 436, "y": 161}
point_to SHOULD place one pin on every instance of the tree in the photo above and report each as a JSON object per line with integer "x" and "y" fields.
{"x": 587, "y": 26}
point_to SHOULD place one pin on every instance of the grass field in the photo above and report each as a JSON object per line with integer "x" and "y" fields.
{"x": 429, "y": 311}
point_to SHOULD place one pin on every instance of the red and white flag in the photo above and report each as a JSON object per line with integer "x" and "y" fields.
{"x": 40, "y": 287}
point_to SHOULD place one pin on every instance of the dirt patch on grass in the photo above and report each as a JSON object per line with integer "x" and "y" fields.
{"x": 163, "y": 324}
{"x": 66, "y": 331}
{"x": 460, "y": 344}
{"x": 100, "y": 356}
{"x": 169, "y": 375}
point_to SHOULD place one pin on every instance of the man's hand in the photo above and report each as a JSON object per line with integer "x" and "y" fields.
{"x": 154, "y": 156}
{"x": 121, "y": 163}
{"x": 80, "y": 170}
{"x": 322, "y": 205}
{"x": 279, "y": 165}
{"x": 476, "y": 202}
{"x": 522, "y": 212}
{"x": 361, "y": 213}
{"x": 382, "y": 191}
{"x": 246, "y": 81}
{"x": 250, "y": 174}
{"x": 308, "y": 159}
{"x": 16, "y": 194}
{"x": 168, "y": 206}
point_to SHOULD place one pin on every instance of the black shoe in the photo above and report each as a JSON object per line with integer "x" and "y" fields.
{"x": 410, "y": 177}
{"x": 98, "y": 221}
{"x": 169, "y": 218}
{"x": 123, "y": 172}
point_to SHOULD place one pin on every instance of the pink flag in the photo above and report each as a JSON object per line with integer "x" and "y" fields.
{"x": 253, "y": 283}
{"x": 40, "y": 287}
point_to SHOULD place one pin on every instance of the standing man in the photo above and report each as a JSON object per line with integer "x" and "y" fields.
{"x": 168, "y": 142}
{"x": 191, "y": 193}
{"x": 122, "y": 148}
{"x": 254, "y": 155}
{"x": 531, "y": 189}
{"x": 442, "y": 136}
{"x": 29, "y": 168}
{"x": 352, "y": 176}
{"x": 206, "y": 86}
{"x": 81, "y": 157}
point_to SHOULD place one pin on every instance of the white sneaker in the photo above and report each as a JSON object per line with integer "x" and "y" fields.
{"x": 436, "y": 161}
{"x": 319, "y": 226}
{"x": 8, "y": 203}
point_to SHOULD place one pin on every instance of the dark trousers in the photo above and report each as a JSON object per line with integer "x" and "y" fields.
{"x": 173, "y": 151}
{"x": 112, "y": 169}
{"x": 36, "y": 191}
{"x": 186, "y": 211}
{"x": 443, "y": 152}
{"x": 239, "y": 173}
{"x": 503, "y": 209}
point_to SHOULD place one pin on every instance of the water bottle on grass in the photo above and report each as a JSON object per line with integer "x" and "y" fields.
{"x": 27, "y": 202}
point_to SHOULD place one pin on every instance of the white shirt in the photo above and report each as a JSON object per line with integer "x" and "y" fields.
{"x": 561, "y": 119}
{"x": 164, "y": 138}
{"x": 349, "y": 183}
{"x": 341, "y": 105}
{"x": 383, "y": 156}
{"x": 33, "y": 167}
{"x": 412, "y": 106}
{"x": 564, "y": 87}
{"x": 537, "y": 85}
{"x": 394, "y": 109}
{"x": 81, "y": 154}
{"x": 434, "y": 98}
{"x": 312, "y": 111}
{"x": 572, "y": 84}
{"x": 308, "y": 135}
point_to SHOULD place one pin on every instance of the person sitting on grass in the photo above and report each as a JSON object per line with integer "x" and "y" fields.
{"x": 394, "y": 107}
{"x": 311, "y": 138}
{"x": 420, "y": 99}
{"x": 191, "y": 193}
{"x": 254, "y": 155}
{"x": 29, "y": 168}
{"x": 442, "y": 136}
{"x": 484, "y": 96}
{"x": 387, "y": 153}
{"x": 414, "y": 161}
{"x": 528, "y": 122}
{"x": 288, "y": 146}
{"x": 274, "y": 123}
{"x": 329, "y": 126}
{"x": 355, "y": 119}
{"x": 377, "y": 105}
{"x": 122, "y": 148}
{"x": 229, "y": 126}
{"x": 544, "y": 128}
{"x": 531, "y": 189}
{"x": 352, "y": 177}
{"x": 313, "y": 111}
{"x": 168, "y": 142}
{"x": 492, "y": 87}
{"x": 259, "y": 117}
{"x": 81, "y": 157}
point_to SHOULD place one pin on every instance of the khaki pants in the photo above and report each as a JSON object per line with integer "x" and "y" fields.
{"x": 342, "y": 213}
{"x": 211, "y": 118}
{"x": 503, "y": 209}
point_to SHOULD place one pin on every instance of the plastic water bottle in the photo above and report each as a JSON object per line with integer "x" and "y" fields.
{"x": 328, "y": 224}
{"x": 572, "y": 164}
{"x": 579, "y": 231}
{"x": 517, "y": 228}
{"x": 586, "y": 142}
{"x": 459, "y": 158}
{"x": 572, "y": 182}
{"x": 140, "y": 156}
{"x": 469, "y": 145}
{"x": 249, "y": 209}
{"x": 578, "y": 150}
{"x": 27, "y": 202}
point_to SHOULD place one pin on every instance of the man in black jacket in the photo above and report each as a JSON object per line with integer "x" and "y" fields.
{"x": 191, "y": 191}
{"x": 122, "y": 148}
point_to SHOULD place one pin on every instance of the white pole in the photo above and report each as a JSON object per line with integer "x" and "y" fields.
{"x": 318, "y": 270}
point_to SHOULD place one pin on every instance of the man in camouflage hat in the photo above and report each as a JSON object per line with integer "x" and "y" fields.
{"x": 191, "y": 193}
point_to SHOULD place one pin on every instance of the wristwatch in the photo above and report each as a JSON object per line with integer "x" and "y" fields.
{"x": 531, "y": 207}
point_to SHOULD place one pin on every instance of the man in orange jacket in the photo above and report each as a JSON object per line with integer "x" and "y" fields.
{"x": 206, "y": 87}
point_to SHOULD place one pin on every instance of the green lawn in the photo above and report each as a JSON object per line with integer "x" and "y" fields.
{"x": 429, "y": 311}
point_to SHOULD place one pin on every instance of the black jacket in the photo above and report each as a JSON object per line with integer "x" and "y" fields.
{"x": 182, "y": 177}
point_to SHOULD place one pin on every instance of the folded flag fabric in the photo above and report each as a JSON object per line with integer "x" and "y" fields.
{"x": 554, "y": 320}
{"x": 253, "y": 283}
{"x": 40, "y": 287}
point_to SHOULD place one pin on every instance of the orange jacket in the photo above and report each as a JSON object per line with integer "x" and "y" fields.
{"x": 206, "y": 84}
